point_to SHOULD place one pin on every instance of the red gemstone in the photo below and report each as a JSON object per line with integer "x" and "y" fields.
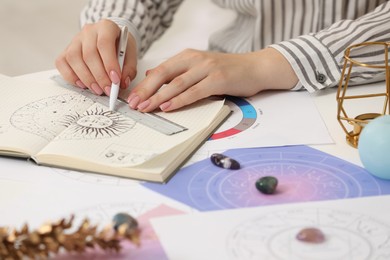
{"x": 311, "y": 235}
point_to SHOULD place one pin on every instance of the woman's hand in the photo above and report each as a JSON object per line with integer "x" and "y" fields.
{"x": 192, "y": 75}
{"x": 90, "y": 60}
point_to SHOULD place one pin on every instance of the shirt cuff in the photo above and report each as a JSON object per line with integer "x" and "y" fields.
{"x": 313, "y": 63}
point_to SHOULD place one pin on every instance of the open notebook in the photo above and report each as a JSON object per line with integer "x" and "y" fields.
{"x": 58, "y": 127}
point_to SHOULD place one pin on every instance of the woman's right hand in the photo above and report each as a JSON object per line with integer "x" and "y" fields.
{"x": 90, "y": 60}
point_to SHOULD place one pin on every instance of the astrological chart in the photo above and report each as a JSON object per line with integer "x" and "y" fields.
{"x": 303, "y": 173}
{"x": 79, "y": 115}
{"x": 350, "y": 229}
{"x": 349, "y": 235}
{"x": 47, "y": 117}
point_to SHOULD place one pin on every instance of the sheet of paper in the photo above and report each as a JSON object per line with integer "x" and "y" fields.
{"x": 270, "y": 119}
{"x": 353, "y": 229}
{"x": 30, "y": 120}
{"x": 36, "y": 195}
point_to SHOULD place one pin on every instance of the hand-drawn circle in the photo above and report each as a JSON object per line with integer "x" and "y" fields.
{"x": 96, "y": 123}
{"x": 45, "y": 117}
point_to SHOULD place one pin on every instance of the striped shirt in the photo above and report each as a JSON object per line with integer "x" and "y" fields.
{"x": 311, "y": 34}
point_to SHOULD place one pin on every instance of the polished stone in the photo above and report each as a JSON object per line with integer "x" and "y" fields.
{"x": 124, "y": 218}
{"x": 225, "y": 162}
{"x": 267, "y": 184}
{"x": 311, "y": 235}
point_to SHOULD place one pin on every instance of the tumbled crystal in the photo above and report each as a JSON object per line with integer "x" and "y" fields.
{"x": 267, "y": 184}
{"x": 124, "y": 218}
{"x": 225, "y": 162}
{"x": 311, "y": 235}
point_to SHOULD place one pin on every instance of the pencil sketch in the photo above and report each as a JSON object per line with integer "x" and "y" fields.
{"x": 95, "y": 123}
{"x": 272, "y": 236}
{"x": 119, "y": 154}
{"x": 44, "y": 117}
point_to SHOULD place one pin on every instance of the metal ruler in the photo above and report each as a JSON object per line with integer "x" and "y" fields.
{"x": 150, "y": 120}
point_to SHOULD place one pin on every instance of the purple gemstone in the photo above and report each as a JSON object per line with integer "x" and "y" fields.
{"x": 311, "y": 235}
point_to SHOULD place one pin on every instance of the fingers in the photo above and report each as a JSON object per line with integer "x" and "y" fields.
{"x": 180, "y": 92}
{"x": 91, "y": 59}
{"x": 106, "y": 67}
{"x": 187, "y": 85}
{"x": 67, "y": 72}
{"x": 193, "y": 75}
{"x": 89, "y": 66}
{"x": 173, "y": 68}
{"x": 74, "y": 60}
{"x": 191, "y": 95}
{"x": 99, "y": 53}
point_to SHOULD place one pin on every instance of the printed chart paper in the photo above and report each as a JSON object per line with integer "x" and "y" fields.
{"x": 270, "y": 119}
{"x": 303, "y": 173}
{"x": 353, "y": 229}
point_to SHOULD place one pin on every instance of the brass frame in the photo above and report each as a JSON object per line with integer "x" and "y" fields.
{"x": 358, "y": 122}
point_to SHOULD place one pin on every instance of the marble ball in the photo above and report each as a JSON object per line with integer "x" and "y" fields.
{"x": 374, "y": 147}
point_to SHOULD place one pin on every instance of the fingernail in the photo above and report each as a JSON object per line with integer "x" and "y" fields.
{"x": 80, "y": 84}
{"x": 130, "y": 97}
{"x": 127, "y": 82}
{"x": 114, "y": 77}
{"x": 133, "y": 102}
{"x": 165, "y": 105}
{"x": 143, "y": 105}
{"x": 107, "y": 90}
{"x": 95, "y": 87}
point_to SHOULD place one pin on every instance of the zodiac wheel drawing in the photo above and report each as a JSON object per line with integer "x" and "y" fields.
{"x": 348, "y": 236}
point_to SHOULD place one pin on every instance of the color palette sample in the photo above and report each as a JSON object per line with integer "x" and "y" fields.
{"x": 249, "y": 116}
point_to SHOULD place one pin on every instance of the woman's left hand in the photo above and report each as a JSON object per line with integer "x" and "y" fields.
{"x": 193, "y": 75}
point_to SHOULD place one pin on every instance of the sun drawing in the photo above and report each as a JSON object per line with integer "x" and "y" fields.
{"x": 96, "y": 123}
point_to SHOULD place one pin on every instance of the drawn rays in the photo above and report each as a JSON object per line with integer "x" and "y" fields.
{"x": 96, "y": 123}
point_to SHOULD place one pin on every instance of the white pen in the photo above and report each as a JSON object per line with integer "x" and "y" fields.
{"x": 121, "y": 58}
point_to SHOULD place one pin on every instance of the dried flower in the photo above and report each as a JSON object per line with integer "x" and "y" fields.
{"x": 50, "y": 238}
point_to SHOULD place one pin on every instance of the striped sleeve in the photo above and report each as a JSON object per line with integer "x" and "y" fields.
{"x": 146, "y": 19}
{"x": 317, "y": 58}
